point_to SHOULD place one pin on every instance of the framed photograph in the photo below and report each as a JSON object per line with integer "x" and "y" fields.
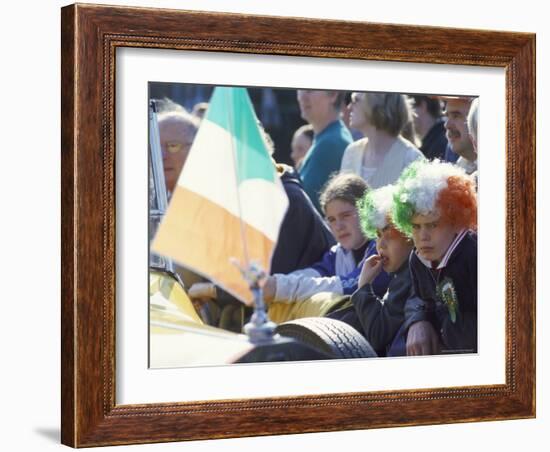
{"x": 116, "y": 62}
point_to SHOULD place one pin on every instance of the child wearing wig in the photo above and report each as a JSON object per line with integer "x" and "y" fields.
{"x": 435, "y": 204}
{"x": 338, "y": 271}
{"x": 379, "y": 319}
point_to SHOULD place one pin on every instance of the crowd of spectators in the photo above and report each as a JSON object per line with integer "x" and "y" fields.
{"x": 382, "y": 212}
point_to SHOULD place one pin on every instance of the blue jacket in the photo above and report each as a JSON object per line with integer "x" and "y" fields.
{"x": 324, "y": 158}
{"x": 337, "y": 272}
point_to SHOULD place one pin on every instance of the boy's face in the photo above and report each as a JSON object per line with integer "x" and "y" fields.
{"x": 343, "y": 221}
{"x": 299, "y": 147}
{"x": 432, "y": 237}
{"x": 394, "y": 248}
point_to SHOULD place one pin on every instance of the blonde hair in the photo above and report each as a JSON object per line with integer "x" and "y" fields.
{"x": 306, "y": 130}
{"x": 388, "y": 111}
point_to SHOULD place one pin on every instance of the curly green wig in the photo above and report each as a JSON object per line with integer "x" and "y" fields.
{"x": 426, "y": 187}
{"x": 375, "y": 210}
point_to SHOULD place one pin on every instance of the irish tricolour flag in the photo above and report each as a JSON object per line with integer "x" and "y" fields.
{"x": 229, "y": 202}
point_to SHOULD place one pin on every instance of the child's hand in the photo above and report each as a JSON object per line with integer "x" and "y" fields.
{"x": 422, "y": 339}
{"x": 269, "y": 289}
{"x": 371, "y": 269}
{"x": 202, "y": 291}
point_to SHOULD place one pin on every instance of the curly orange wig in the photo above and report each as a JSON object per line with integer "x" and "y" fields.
{"x": 457, "y": 203}
{"x": 434, "y": 186}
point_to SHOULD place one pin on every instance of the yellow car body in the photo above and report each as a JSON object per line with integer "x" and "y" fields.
{"x": 177, "y": 333}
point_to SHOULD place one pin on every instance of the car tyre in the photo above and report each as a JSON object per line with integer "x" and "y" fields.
{"x": 332, "y": 337}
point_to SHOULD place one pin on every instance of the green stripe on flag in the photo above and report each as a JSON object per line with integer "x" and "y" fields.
{"x": 231, "y": 109}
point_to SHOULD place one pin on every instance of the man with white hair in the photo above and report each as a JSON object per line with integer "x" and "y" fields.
{"x": 177, "y": 130}
{"x": 472, "y": 128}
{"x": 472, "y": 123}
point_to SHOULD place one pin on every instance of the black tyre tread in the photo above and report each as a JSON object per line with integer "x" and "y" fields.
{"x": 329, "y": 335}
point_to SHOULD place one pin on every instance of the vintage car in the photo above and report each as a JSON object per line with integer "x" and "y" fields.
{"x": 222, "y": 330}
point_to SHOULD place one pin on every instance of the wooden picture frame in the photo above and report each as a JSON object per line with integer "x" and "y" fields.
{"x": 90, "y": 36}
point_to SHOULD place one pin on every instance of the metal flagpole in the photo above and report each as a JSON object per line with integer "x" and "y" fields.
{"x": 260, "y": 329}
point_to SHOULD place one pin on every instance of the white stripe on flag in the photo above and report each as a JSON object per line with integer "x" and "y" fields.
{"x": 210, "y": 169}
{"x": 210, "y": 172}
{"x": 270, "y": 196}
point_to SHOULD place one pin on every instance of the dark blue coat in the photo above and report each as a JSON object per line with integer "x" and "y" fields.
{"x": 457, "y": 325}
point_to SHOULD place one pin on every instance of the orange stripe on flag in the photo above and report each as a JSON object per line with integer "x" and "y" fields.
{"x": 204, "y": 236}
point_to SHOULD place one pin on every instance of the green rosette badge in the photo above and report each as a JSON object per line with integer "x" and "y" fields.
{"x": 447, "y": 294}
